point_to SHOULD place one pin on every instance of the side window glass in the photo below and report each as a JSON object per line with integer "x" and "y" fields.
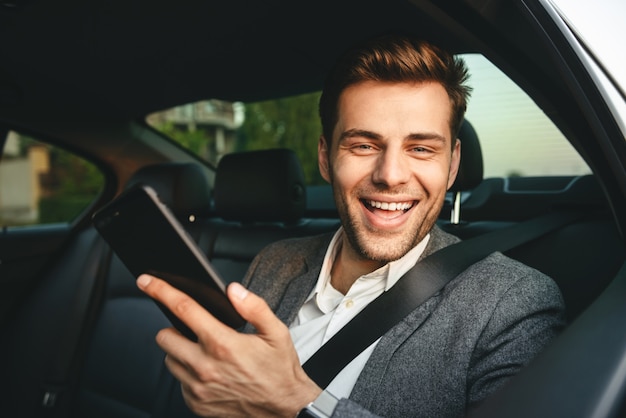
{"x": 516, "y": 137}
{"x": 43, "y": 184}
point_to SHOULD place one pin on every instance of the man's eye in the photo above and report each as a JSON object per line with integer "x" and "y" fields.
{"x": 362, "y": 147}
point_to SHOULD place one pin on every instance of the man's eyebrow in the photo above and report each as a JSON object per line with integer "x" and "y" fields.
{"x": 426, "y": 135}
{"x": 352, "y": 133}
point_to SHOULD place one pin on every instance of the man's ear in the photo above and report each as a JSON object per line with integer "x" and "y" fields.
{"x": 323, "y": 159}
{"x": 455, "y": 162}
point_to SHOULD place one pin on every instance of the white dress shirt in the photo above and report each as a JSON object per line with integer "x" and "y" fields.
{"x": 327, "y": 310}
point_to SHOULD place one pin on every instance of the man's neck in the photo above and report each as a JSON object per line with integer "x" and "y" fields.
{"x": 348, "y": 266}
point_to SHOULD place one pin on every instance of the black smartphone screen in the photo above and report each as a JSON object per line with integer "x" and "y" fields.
{"x": 148, "y": 238}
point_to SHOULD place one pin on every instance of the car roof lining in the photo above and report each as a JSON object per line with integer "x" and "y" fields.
{"x": 190, "y": 50}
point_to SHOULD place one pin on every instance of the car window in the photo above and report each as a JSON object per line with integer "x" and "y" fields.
{"x": 516, "y": 137}
{"x": 43, "y": 184}
{"x": 212, "y": 128}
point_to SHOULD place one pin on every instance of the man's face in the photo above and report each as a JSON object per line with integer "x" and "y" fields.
{"x": 390, "y": 163}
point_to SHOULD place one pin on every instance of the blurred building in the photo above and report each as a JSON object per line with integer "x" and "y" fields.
{"x": 217, "y": 119}
{"x": 21, "y": 185}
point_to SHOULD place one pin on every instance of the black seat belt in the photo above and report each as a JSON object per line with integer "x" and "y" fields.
{"x": 416, "y": 286}
{"x": 65, "y": 358}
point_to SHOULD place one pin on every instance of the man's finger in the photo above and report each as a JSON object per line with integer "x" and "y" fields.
{"x": 253, "y": 309}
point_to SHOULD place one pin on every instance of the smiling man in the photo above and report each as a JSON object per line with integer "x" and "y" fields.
{"x": 390, "y": 112}
{"x": 393, "y": 158}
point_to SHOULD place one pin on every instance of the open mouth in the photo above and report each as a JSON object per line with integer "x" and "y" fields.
{"x": 389, "y": 206}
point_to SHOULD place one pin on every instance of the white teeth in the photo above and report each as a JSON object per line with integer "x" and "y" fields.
{"x": 390, "y": 206}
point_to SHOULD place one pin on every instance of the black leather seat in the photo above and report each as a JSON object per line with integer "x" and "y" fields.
{"x": 469, "y": 177}
{"x": 260, "y": 186}
{"x": 260, "y": 197}
{"x": 471, "y": 169}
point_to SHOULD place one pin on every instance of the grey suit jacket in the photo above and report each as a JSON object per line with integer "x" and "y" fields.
{"x": 449, "y": 353}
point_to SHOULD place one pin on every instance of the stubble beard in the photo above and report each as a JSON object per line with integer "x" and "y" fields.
{"x": 379, "y": 247}
{"x": 383, "y": 246}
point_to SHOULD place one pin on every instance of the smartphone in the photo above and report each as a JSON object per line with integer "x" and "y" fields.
{"x": 147, "y": 237}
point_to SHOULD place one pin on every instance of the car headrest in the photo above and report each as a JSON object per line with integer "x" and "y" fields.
{"x": 260, "y": 186}
{"x": 470, "y": 172}
{"x": 183, "y": 187}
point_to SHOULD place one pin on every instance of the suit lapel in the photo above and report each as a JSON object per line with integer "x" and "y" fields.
{"x": 300, "y": 287}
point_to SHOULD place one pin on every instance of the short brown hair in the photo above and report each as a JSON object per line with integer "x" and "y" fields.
{"x": 396, "y": 58}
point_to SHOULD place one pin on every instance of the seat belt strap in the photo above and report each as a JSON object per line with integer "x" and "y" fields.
{"x": 416, "y": 286}
{"x": 65, "y": 357}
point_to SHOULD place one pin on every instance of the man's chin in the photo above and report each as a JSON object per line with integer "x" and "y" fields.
{"x": 386, "y": 250}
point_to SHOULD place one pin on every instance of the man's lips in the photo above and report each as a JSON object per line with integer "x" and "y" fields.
{"x": 389, "y": 206}
{"x": 386, "y": 214}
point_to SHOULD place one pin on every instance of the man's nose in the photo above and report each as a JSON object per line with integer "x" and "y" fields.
{"x": 392, "y": 168}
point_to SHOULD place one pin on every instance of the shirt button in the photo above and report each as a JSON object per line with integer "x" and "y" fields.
{"x": 349, "y": 303}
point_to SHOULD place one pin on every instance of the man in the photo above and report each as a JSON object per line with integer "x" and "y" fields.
{"x": 390, "y": 111}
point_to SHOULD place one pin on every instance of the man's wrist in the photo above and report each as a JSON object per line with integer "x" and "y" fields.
{"x": 322, "y": 407}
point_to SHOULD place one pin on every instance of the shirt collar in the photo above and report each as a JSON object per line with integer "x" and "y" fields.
{"x": 391, "y": 271}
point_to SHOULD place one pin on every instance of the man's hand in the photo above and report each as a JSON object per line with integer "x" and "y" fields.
{"x": 227, "y": 373}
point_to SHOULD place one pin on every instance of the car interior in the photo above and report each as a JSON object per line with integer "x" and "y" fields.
{"x": 77, "y": 336}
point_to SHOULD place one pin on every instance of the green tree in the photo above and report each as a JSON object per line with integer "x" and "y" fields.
{"x": 70, "y": 186}
{"x": 73, "y": 176}
{"x": 195, "y": 141}
{"x": 285, "y": 123}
